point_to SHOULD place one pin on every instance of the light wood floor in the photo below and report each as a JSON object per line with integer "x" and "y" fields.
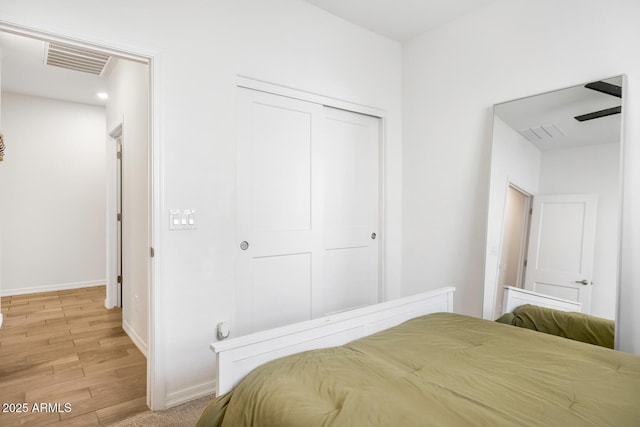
{"x": 62, "y": 348}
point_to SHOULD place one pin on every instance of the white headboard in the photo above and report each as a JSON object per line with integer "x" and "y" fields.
{"x": 515, "y": 297}
{"x": 236, "y": 357}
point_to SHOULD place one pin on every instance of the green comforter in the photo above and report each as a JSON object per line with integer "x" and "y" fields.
{"x": 440, "y": 370}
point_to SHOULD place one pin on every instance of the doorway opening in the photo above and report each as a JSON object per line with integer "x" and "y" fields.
{"x": 515, "y": 241}
{"x": 145, "y": 180}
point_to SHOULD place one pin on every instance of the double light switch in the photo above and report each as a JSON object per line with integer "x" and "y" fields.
{"x": 182, "y": 219}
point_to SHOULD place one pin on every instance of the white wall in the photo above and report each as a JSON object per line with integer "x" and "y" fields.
{"x": 128, "y": 106}
{"x": 53, "y": 195}
{"x": 200, "y": 47}
{"x": 451, "y": 78}
{"x": 592, "y": 170}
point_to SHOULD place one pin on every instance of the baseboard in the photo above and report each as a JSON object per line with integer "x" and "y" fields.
{"x": 137, "y": 340}
{"x": 51, "y": 288}
{"x": 188, "y": 394}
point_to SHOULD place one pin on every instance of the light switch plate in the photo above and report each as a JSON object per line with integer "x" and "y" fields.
{"x": 182, "y": 219}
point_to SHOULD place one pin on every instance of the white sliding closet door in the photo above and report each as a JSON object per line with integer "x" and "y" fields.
{"x": 276, "y": 216}
{"x": 304, "y": 240}
{"x": 351, "y": 210}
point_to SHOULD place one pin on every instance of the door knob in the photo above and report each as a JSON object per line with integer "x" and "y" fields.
{"x": 373, "y": 236}
{"x": 583, "y": 282}
{"x": 244, "y": 245}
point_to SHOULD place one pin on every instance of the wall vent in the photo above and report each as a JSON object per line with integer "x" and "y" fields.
{"x": 76, "y": 58}
{"x": 543, "y": 133}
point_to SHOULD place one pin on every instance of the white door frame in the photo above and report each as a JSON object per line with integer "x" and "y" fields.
{"x": 114, "y": 221}
{"x": 524, "y": 241}
{"x": 156, "y": 387}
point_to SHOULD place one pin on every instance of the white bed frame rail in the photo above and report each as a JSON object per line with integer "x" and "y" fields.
{"x": 237, "y": 357}
{"x": 515, "y": 297}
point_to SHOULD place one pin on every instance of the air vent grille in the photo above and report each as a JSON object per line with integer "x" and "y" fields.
{"x": 75, "y": 58}
{"x": 543, "y": 133}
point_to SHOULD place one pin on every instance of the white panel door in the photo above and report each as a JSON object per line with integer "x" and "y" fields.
{"x": 561, "y": 247}
{"x": 350, "y": 210}
{"x": 278, "y": 224}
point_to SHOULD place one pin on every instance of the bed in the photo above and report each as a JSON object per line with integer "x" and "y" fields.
{"x": 437, "y": 368}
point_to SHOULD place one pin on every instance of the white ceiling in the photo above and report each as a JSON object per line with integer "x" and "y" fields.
{"x": 559, "y": 108}
{"x": 399, "y": 19}
{"x": 24, "y": 71}
{"x": 404, "y": 19}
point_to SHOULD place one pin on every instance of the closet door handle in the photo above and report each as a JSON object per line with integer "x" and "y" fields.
{"x": 583, "y": 282}
{"x": 244, "y": 245}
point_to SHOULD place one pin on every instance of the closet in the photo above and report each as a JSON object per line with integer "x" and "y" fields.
{"x": 308, "y": 210}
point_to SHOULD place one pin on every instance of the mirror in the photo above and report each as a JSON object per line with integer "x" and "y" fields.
{"x": 555, "y": 197}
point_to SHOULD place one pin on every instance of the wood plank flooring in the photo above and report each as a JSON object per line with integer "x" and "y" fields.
{"x": 66, "y": 351}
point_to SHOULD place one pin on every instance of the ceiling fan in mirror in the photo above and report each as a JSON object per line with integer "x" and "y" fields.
{"x": 606, "y": 88}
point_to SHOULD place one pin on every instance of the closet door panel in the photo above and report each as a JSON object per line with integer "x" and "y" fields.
{"x": 275, "y": 225}
{"x": 350, "y": 280}
{"x": 351, "y": 209}
{"x": 275, "y": 299}
{"x": 279, "y": 154}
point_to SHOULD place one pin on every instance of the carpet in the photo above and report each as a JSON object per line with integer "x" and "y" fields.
{"x": 185, "y": 415}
